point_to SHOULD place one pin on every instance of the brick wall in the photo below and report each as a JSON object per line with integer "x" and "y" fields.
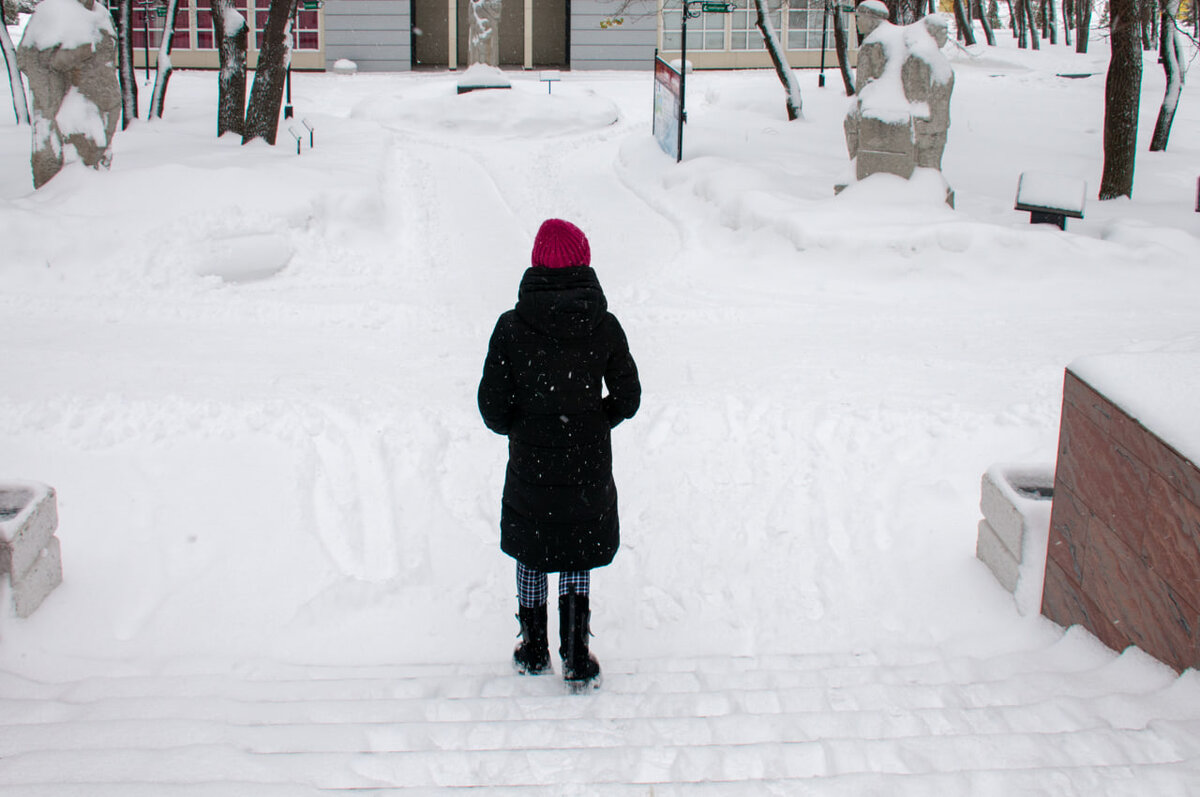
{"x": 1124, "y": 552}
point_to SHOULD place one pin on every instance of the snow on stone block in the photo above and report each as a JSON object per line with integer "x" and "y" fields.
{"x": 1046, "y": 191}
{"x": 30, "y": 589}
{"x": 992, "y": 551}
{"x": 1015, "y": 501}
{"x": 28, "y": 518}
{"x": 482, "y": 76}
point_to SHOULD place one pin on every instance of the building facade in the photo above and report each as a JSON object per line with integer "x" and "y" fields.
{"x": 402, "y": 35}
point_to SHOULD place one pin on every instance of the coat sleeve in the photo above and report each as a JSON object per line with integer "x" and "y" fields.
{"x": 621, "y": 378}
{"x": 497, "y": 404}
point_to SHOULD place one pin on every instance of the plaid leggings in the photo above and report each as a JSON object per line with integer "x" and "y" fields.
{"x": 531, "y": 585}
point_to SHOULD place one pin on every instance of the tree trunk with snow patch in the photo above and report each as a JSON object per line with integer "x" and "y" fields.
{"x": 1171, "y": 48}
{"x": 777, "y": 58}
{"x": 1121, "y": 93}
{"x": 1083, "y": 24}
{"x": 232, "y": 36}
{"x": 963, "y": 20}
{"x": 163, "y": 73}
{"x": 841, "y": 45}
{"x": 266, "y": 95}
{"x": 125, "y": 71}
{"x": 20, "y": 102}
{"x": 988, "y": 33}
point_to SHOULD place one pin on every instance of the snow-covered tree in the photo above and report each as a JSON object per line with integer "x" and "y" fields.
{"x": 20, "y": 104}
{"x": 1172, "y": 56}
{"x": 782, "y": 68}
{"x": 164, "y": 69}
{"x": 266, "y": 95}
{"x": 1121, "y": 93}
{"x": 232, "y": 37}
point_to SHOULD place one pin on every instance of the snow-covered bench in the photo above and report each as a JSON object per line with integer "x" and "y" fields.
{"x": 1051, "y": 198}
{"x": 30, "y": 555}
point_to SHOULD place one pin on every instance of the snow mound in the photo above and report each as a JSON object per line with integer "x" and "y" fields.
{"x": 244, "y": 258}
{"x": 524, "y": 111}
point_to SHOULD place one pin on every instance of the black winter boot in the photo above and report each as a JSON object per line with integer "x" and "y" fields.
{"x": 532, "y": 656}
{"x": 581, "y": 671}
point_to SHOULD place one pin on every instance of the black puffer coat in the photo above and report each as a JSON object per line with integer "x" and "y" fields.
{"x": 547, "y": 364}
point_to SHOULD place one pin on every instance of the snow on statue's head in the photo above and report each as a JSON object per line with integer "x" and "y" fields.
{"x": 869, "y": 15}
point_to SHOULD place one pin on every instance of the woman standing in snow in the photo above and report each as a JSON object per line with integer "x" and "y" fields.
{"x": 547, "y": 365}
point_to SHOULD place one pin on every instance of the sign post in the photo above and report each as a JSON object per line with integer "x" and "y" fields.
{"x": 692, "y": 9}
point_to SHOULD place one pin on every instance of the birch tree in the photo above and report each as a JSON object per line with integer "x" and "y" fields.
{"x": 1121, "y": 92}
{"x": 232, "y": 37}
{"x": 20, "y": 102}
{"x": 771, "y": 40}
{"x": 1172, "y": 56}
{"x": 164, "y": 68}
{"x": 266, "y": 95}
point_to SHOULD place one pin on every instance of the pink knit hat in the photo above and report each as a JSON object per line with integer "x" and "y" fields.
{"x": 560, "y": 244}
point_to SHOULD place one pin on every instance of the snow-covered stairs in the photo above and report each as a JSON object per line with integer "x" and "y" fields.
{"x": 1049, "y": 721}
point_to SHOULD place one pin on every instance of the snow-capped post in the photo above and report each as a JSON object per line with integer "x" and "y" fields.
{"x": 782, "y": 68}
{"x": 170, "y": 14}
{"x": 899, "y": 121}
{"x": 266, "y": 95}
{"x": 1173, "y": 58}
{"x": 232, "y": 37}
{"x": 69, "y": 54}
{"x": 20, "y": 106}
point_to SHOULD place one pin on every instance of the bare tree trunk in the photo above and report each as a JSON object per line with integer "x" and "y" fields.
{"x": 841, "y": 44}
{"x": 1051, "y": 17}
{"x": 125, "y": 71}
{"x": 1034, "y": 39}
{"x": 1083, "y": 24}
{"x": 1121, "y": 90}
{"x": 266, "y": 95}
{"x": 20, "y": 102}
{"x": 1068, "y": 15}
{"x": 1171, "y": 47}
{"x": 232, "y": 37}
{"x": 963, "y": 20}
{"x": 777, "y": 58}
{"x": 163, "y": 73}
{"x": 1021, "y": 21}
{"x": 986, "y": 23}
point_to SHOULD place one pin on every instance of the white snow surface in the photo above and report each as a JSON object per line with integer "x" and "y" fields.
{"x": 1160, "y": 390}
{"x": 67, "y": 23}
{"x": 250, "y": 376}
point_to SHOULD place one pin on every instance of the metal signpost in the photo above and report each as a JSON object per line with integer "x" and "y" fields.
{"x": 692, "y": 9}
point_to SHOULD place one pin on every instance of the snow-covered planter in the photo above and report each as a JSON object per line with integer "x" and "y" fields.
{"x": 1015, "y": 501}
{"x": 30, "y": 555}
{"x": 69, "y": 54}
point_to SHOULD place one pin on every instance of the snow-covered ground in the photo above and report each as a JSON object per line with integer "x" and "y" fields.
{"x": 250, "y": 376}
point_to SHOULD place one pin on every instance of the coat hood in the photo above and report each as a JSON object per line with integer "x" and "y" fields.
{"x": 564, "y": 303}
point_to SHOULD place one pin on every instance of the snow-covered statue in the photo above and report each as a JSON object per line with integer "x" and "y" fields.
{"x": 69, "y": 54}
{"x": 898, "y": 119}
{"x": 483, "y": 46}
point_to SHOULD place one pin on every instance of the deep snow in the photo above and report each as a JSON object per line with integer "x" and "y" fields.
{"x": 251, "y": 375}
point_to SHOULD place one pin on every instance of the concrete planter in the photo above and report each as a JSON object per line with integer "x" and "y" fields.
{"x": 30, "y": 554}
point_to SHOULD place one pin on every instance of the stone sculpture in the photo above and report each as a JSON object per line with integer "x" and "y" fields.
{"x": 483, "y": 46}
{"x": 69, "y": 53}
{"x": 901, "y": 109}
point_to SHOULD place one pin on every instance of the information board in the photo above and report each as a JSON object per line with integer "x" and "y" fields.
{"x": 668, "y": 93}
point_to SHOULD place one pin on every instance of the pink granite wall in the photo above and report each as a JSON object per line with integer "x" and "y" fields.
{"x": 1124, "y": 554}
